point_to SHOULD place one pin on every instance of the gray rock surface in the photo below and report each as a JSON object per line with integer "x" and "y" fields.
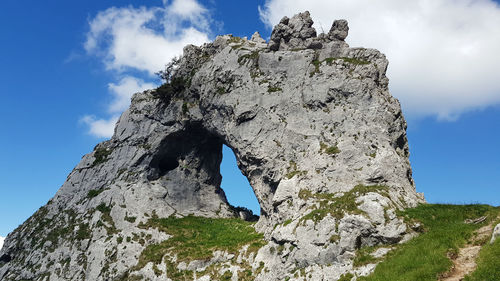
{"x": 339, "y": 30}
{"x": 496, "y": 233}
{"x": 313, "y": 127}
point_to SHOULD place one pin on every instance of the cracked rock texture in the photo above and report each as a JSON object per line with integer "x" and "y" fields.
{"x": 313, "y": 127}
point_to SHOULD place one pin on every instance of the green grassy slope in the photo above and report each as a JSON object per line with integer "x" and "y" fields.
{"x": 426, "y": 256}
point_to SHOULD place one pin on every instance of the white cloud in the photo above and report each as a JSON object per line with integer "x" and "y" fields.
{"x": 123, "y": 91}
{"x": 146, "y": 38}
{"x": 443, "y": 53}
{"x": 1, "y": 241}
{"x": 140, "y": 39}
{"x": 101, "y": 128}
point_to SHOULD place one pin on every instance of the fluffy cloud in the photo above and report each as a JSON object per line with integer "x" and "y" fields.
{"x": 122, "y": 92}
{"x": 101, "y": 128}
{"x": 140, "y": 39}
{"x": 146, "y": 38}
{"x": 1, "y": 241}
{"x": 443, "y": 53}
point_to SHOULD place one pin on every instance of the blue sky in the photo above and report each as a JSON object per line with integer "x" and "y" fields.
{"x": 66, "y": 72}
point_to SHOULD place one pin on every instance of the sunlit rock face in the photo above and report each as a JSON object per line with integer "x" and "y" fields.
{"x": 313, "y": 127}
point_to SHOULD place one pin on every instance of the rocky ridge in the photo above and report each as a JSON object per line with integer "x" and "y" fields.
{"x": 314, "y": 129}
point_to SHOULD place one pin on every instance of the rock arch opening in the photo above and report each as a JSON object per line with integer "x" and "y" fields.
{"x": 238, "y": 191}
{"x": 199, "y": 175}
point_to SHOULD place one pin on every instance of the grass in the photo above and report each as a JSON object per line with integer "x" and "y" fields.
{"x": 293, "y": 171}
{"x": 355, "y": 61}
{"x": 273, "y": 89}
{"x": 330, "y": 150}
{"x": 488, "y": 263}
{"x": 329, "y": 61}
{"x": 253, "y": 56}
{"x": 346, "y": 277}
{"x": 364, "y": 256}
{"x": 426, "y": 256}
{"x": 196, "y": 238}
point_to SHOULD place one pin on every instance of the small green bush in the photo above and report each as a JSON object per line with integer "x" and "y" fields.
{"x": 101, "y": 155}
{"x": 103, "y": 208}
{"x": 94, "y": 192}
{"x": 273, "y": 89}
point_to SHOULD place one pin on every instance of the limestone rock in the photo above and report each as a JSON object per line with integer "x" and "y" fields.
{"x": 294, "y": 33}
{"x": 339, "y": 30}
{"x": 257, "y": 38}
{"x": 313, "y": 127}
{"x": 496, "y": 233}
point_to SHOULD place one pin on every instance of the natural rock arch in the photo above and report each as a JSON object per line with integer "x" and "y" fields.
{"x": 312, "y": 125}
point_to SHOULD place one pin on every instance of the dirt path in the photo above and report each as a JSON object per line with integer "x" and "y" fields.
{"x": 465, "y": 262}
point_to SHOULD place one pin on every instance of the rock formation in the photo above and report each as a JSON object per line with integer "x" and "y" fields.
{"x": 495, "y": 234}
{"x": 313, "y": 127}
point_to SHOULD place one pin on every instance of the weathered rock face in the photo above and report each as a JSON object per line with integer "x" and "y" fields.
{"x": 313, "y": 128}
{"x": 495, "y": 234}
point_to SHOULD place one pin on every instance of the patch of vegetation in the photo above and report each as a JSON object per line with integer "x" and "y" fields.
{"x": 253, "y": 56}
{"x": 235, "y": 39}
{"x": 337, "y": 206}
{"x": 196, "y": 238}
{"x": 329, "y": 61}
{"x": 364, "y": 256}
{"x": 221, "y": 90}
{"x": 103, "y": 208}
{"x": 334, "y": 238}
{"x": 83, "y": 232}
{"x": 101, "y": 155}
{"x": 130, "y": 219}
{"x": 172, "y": 88}
{"x": 355, "y": 61}
{"x": 93, "y": 193}
{"x": 346, "y": 277}
{"x": 330, "y": 150}
{"x": 316, "y": 64}
{"x": 106, "y": 217}
{"x": 425, "y": 257}
{"x": 185, "y": 108}
{"x": 292, "y": 170}
{"x": 271, "y": 89}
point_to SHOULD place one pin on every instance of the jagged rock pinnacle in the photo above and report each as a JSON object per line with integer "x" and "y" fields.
{"x": 339, "y": 30}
